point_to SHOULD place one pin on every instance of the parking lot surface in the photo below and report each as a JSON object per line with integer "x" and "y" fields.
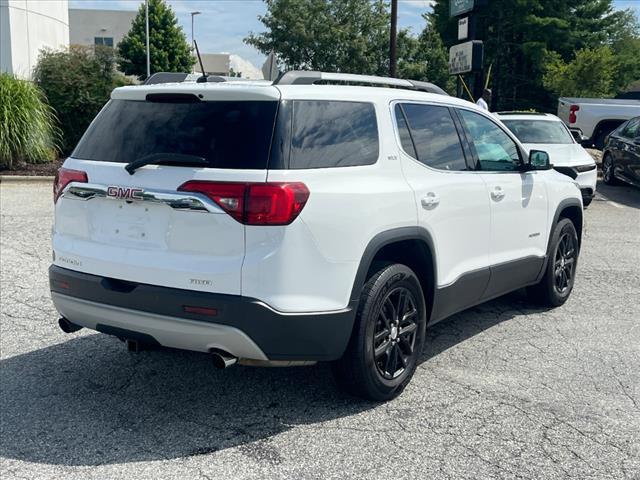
{"x": 504, "y": 390}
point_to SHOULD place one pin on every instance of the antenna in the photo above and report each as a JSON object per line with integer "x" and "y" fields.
{"x": 203, "y": 78}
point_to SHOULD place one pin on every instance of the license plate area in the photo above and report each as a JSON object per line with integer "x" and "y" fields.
{"x": 129, "y": 223}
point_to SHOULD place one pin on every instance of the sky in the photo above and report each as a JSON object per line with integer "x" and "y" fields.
{"x": 223, "y": 24}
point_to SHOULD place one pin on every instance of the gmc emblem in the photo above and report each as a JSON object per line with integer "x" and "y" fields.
{"x": 125, "y": 193}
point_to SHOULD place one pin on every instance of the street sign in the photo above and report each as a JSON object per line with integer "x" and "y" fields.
{"x": 458, "y": 7}
{"x": 466, "y": 57}
{"x": 270, "y": 68}
{"x": 463, "y": 28}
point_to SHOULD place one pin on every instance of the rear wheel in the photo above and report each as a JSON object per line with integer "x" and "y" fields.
{"x": 387, "y": 338}
{"x": 557, "y": 283}
{"x": 607, "y": 170}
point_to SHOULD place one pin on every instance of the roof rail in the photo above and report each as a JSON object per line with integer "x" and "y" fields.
{"x": 304, "y": 77}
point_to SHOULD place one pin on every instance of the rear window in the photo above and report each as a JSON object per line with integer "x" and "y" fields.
{"x": 333, "y": 134}
{"x": 539, "y": 131}
{"x": 227, "y": 134}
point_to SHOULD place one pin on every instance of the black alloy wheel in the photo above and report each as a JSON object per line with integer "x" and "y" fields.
{"x": 564, "y": 263}
{"x": 388, "y": 335}
{"x": 395, "y": 333}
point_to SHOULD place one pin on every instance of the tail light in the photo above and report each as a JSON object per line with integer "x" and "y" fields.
{"x": 273, "y": 203}
{"x": 64, "y": 176}
{"x": 572, "y": 113}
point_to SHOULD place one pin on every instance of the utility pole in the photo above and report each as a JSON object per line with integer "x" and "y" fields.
{"x": 393, "y": 40}
{"x": 146, "y": 5}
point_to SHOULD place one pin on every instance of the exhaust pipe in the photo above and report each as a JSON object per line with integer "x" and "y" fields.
{"x": 222, "y": 360}
{"x": 67, "y": 327}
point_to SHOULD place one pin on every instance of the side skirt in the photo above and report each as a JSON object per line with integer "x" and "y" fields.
{"x": 483, "y": 285}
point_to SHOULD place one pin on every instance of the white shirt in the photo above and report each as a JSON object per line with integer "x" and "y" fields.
{"x": 482, "y": 104}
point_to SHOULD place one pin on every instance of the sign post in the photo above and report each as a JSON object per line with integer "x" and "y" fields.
{"x": 466, "y": 57}
{"x": 458, "y": 7}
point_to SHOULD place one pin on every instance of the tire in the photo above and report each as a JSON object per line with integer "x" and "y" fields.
{"x": 560, "y": 271}
{"x": 587, "y": 201}
{"x": 391, "y": 289}
{"x": 598, "y": 141}
{"x": 608, "y": 166}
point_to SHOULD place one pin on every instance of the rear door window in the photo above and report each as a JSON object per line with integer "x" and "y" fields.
{"x": 227, "y": 134}
{"x": 333, "y": 134}
{"x": 434, "y": 136}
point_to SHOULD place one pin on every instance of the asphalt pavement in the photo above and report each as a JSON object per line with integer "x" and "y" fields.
{"x": 504, "y": 390}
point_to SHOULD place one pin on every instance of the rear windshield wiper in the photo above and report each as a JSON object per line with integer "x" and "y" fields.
{"x": 164, "y": 158}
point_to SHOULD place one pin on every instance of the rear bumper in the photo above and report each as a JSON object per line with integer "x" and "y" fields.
{"x": 242, "y": 326}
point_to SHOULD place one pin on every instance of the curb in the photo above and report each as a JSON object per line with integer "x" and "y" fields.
{"x": 25, "y": 178}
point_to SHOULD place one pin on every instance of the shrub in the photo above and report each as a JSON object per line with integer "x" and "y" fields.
{"x": 28, "y": 131}
{"x": 77, "y": 82}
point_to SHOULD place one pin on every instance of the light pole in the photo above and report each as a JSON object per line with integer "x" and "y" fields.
{"x": 393, "y": 38}
{"x": 146, "y": 6}
{"x": 193, "y": 14}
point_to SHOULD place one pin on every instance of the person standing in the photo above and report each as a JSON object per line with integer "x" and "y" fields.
{"x": 484, "y": 101}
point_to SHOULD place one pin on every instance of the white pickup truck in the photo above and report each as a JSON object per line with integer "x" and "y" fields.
{"x": 592, "y": 119}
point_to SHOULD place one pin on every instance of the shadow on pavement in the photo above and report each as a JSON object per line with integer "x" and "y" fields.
{"x": 87, "y": 401}
{"x": 623, "y": 194}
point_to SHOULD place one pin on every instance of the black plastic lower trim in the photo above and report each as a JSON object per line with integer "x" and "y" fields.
{"x": 281, "y": 336}
{"x": 485, "y": 284}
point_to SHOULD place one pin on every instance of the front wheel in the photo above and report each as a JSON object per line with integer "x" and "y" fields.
{"x": 559, "y": 276}
{"x": 387, "y": 337}
{"x": 607, "y": 170}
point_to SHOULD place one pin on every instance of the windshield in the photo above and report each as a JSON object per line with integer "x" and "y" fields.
{"x": 539, "y": 131}
{"x": 227, "y": 134}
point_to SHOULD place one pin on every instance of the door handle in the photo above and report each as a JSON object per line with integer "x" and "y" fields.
{"x": 430, "y": 200}
{"x": 497, "y": 194}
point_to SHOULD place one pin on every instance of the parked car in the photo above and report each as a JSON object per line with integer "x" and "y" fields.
{"x": 293, "y": 222}
{"x": 592, "y": 119}
{"x": 543, "y": 131}
{"x": 621, "y": 156}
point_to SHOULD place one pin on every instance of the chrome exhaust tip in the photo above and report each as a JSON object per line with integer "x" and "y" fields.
{"x": 222, "y": 360}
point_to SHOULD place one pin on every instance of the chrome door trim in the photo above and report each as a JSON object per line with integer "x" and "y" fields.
{"x": 190, "y": 201}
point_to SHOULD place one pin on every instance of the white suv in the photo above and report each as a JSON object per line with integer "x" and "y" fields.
{"x": 543, "y": 131}
{"x": 292, "y": 222}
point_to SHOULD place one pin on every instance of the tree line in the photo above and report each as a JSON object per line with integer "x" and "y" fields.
{"x": 537, "y": 49}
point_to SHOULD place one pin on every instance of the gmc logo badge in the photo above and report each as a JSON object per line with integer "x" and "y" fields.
{"x": 125, "y": 193}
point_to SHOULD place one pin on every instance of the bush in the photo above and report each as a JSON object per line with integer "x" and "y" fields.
{"x": 28, "y": 131}
{"x": 77, "y": 82}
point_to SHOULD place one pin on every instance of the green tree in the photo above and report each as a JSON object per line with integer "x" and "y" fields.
{"x": 342, "y": 35}
{"x": 424, "y": 57}
{"x": 168, "y": 47}
{"x": 521, "y": 36}
{"x": 28, "y": 130}
{"x": 77, "y": 82}
{"x": 589, "y": 74}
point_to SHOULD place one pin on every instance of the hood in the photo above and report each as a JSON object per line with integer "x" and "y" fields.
{"x": 563, "y": 155}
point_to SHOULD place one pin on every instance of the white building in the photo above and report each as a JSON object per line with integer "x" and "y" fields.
{"x": 27, "y": 26}
{"x": 99, "y": 27}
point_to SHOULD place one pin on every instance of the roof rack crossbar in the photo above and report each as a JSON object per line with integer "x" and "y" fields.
{"x": 303, "y": 77}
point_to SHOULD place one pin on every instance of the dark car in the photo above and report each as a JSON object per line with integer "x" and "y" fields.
{"x": 621, "y": 154}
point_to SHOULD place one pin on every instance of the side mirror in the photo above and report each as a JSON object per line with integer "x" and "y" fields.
{"x": 539, "y": 160}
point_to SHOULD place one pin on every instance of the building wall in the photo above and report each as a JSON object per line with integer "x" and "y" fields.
{"x": 27, "y": 26}
{"x": 86, "y": 25}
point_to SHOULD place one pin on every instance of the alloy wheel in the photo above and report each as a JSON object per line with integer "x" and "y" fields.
{"x": 564, "y": 263}
{"x": 395, "y": 332}
{"x": 607, "y": 168}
